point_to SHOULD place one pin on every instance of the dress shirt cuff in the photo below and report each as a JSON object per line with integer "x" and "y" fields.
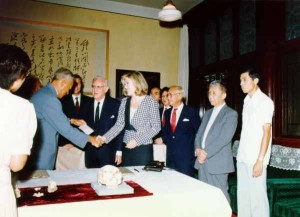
{"x": 119, "y": 153}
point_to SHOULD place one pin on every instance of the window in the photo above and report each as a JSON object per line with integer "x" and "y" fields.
{"x": 292, "y": 19}
{"x": 247, "y": 27}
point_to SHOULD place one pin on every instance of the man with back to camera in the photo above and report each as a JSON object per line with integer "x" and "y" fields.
{"x": 74, "y": 106}
{"x": 254, "y": 148}
{"x": 213, "y": 140}
{"x": 52, "y": 121}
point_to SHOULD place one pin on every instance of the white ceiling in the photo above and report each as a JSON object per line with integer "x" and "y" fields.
{"x": 140, "y": 8}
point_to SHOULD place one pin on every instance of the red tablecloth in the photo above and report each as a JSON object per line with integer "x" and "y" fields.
{"x": 73, "y": 193}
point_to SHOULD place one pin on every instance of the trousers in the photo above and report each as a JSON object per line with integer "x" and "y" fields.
{"x": 251, "y": 192}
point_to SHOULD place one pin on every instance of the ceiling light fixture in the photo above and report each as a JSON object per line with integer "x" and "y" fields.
{"x": 169, "y": 12}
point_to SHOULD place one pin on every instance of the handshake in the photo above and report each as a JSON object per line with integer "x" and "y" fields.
{"x": 97, "y": 141}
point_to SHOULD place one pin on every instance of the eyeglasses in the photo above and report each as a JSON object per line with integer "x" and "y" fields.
{"x": 172, "y": 94}
{"x": 97, "y": 87}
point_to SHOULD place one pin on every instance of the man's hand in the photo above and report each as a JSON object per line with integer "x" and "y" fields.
{"x": 158, "y": 141}
{"x": 257, "y": 169}
{"x": 201, "y": 155}
{"x": 77, "y": 122}
{"x": 101, "y": 139}
{"x": 95, "y": 141}
{"x": 131, "y": 144}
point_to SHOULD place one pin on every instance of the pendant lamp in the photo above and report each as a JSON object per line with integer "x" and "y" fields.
{"x": 169, "y": 13}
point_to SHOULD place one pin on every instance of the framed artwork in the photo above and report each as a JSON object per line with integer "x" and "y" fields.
{"x": 51, "y": 46}
{"x": 152, "y": 78}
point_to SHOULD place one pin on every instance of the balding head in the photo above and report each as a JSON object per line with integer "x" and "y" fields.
{"x": 175, "y": 96}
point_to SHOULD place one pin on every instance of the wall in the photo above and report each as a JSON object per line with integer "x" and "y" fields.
{"x": 134, "y": 43}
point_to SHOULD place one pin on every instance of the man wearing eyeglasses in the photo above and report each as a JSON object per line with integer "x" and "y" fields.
{"x": 101, "y": 116}
{"x": 178, "y": 133}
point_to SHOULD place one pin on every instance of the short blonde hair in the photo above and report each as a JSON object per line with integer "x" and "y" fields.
{"x": 139, "y": 82}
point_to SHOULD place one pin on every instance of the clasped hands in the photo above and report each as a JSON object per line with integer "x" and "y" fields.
{"x": 130, "y": 145}
{"x": 201, "y": 155}
{"x": 96, "y": 141}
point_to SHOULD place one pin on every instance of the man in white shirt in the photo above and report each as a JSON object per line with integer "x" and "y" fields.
{"x": 213, "y": 140}
{"x": 255, "y": 147}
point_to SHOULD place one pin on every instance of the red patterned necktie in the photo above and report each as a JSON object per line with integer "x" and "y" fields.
{"x": 163, "y": 119}
{"x": 173, "y": 120}
{"x": 76, "y": 105}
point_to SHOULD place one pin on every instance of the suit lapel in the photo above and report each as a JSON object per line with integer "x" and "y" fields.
{"x": 105, "y": 111}
{"x": 180, "y": 119}
{"x": 82, "y": 102}
{"x": 218, "y": 118}
{"x": 205, "y": 122}
{"x": 92, "y": 114}
{"x": 71, "y": 105}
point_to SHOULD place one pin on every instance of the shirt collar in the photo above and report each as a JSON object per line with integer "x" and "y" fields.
{"x": 101, "y": 101}
{"x": 254, "y": 97}
{"x": 218, "y": 108}
{"x": 179, "y": 108}
{"x": 74, "y": 96}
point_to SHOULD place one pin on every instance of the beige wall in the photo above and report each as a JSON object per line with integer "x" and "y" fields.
{"x": 134, "y": 43}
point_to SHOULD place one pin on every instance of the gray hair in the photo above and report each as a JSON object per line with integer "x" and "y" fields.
{"x": 220, "y": 84}
{"x": 99, "y": 77}
{"x": 63, "y": 73}
{"x": 179, "y": 89}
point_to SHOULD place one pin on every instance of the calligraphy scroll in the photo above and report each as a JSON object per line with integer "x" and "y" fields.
{"x": 50, "y": 46}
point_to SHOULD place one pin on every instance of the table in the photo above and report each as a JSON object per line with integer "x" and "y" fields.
{"x": 174, "y": 195}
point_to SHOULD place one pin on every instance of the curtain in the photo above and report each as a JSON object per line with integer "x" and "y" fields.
{"x": 183, "y": 63}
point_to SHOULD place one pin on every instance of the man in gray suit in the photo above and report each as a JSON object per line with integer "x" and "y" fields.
{"x": 52, "y": 121}
{"x": 213, "y": 140}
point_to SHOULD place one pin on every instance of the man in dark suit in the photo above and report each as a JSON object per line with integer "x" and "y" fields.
{"x": 213, "y": 140}
{"x": 74, "y": 106}
{"x": 160, "y": 149}
{"x": 101, "y": 116}
{"x": 178, "y": 133}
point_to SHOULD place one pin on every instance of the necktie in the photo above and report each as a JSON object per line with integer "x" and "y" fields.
{"x": 163, "y": 119}
{"x": 97, "y": 113}
{"x": 76, "y": 105}
{"x": 173, "y": 120}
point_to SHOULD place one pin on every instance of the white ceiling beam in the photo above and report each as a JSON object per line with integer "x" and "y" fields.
{"x": 109, "y": 6}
